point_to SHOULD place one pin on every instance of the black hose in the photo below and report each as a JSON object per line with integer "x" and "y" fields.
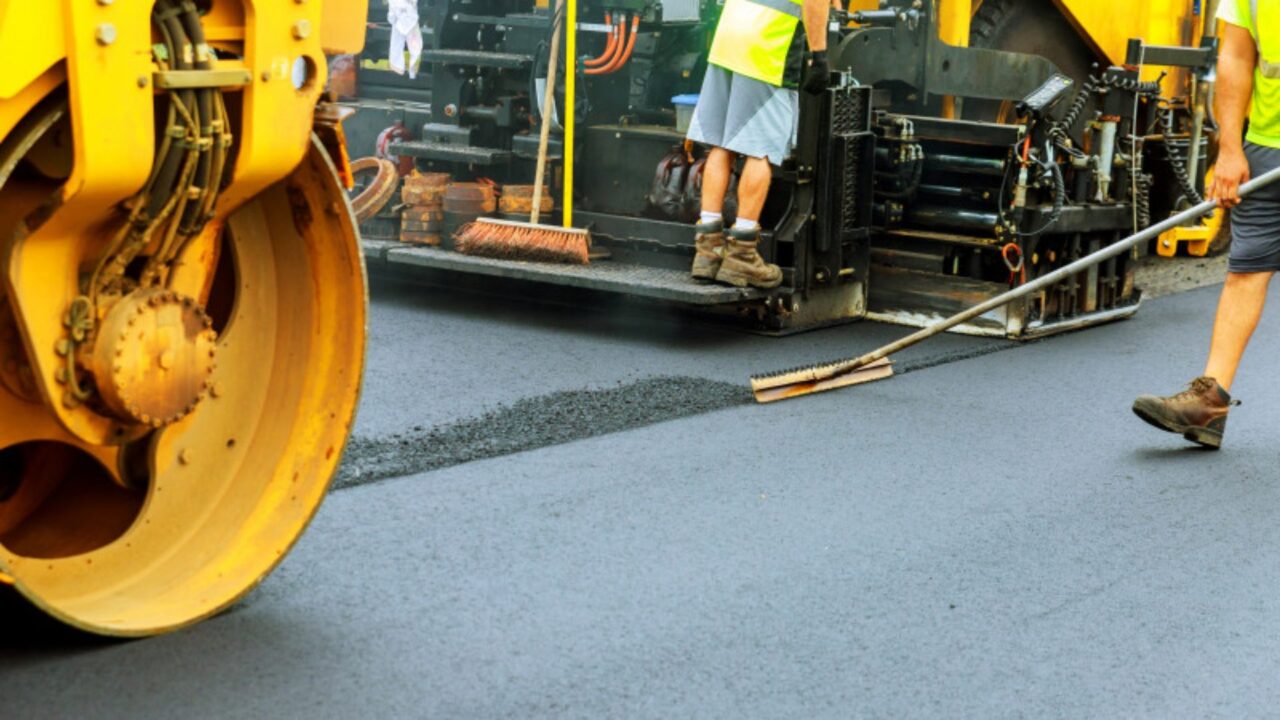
{"x": 1062, "y": 128}
{"x": 1142, "y": 197}
{"x": 1059, "y": 199}
{"x": 1176, "y": 161}
{"x": 1140, "y": 87}
{"x": 163, "y": 188}
{"x": 910, "y": 185}
{"x": 191, "y": 220}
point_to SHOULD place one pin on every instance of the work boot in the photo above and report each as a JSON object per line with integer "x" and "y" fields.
{"x": 743, "y": 265}
{"x": 709, "y": 243}
{"x": 1198, "y": 413}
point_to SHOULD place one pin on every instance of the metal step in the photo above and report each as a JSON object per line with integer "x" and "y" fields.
{"x": 604, "y": 275}
{"x": 453, "y": 153}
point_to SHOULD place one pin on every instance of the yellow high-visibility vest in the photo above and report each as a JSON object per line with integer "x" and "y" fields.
{"x": 754, "y": 38}
{"x": 1267, "y": 44}
{"x": 1262, "y": 20}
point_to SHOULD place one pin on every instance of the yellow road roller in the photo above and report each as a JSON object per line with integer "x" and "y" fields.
{"x": 182, "y": 299}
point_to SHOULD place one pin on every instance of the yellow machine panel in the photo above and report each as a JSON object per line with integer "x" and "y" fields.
{"x": 1108, "y": 26}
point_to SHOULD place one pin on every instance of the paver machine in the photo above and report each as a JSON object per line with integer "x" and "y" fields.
{"x": 182, "y": 299}
{"x": 966, "y": 146}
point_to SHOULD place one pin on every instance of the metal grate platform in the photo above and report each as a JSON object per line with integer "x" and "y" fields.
{"x": 604, "y": 275}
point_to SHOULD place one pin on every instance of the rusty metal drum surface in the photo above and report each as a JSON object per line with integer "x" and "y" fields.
{"x": 518, "y": 199}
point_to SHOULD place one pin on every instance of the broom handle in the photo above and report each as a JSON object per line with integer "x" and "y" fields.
{"x": 548, "y": 106}
{"x": 570, "y": 107}
{"x": 1044, "y": 281}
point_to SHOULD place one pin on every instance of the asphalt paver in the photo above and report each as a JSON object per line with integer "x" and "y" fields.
{"x": 993, "y": 536}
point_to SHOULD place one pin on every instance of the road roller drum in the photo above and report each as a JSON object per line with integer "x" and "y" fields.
{"x": 182, "y": 300}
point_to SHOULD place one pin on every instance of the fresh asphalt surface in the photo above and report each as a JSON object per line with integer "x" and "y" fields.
{"x": 989, "y": 535}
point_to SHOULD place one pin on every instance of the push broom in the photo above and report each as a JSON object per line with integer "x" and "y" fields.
{"x": 875, "y": 365}
{"x": 514, "y": 240}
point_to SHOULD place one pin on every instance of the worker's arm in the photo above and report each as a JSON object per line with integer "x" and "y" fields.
{"x": 1236, "y": 62}
{"x": 816, "y": 15}
{"x": 817, "y": 74}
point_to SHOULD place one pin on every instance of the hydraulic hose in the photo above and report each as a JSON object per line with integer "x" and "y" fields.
{"x": 619, "y": 36}
{"x": 609, "y": 47}
{"x": 626, "y": 45}
{"x": 1176, "y": 161}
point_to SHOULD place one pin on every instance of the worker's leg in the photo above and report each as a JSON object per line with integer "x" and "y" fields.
{"x": 1239, "y": 309}
{"x": 753, "y": 188}
{"x": 742, "y": 262}
{"x": 1200, "y": 413}
{"x": 715, "y": 179}
{"x": 709, "y": 127}
{"x": 766, "y": 121}
{"x": 708, "y": 235}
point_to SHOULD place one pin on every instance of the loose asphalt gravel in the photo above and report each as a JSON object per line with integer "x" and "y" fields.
{"x": 991, "y": 534}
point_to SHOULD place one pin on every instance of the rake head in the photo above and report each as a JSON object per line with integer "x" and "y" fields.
{"x": 819, "y": 378}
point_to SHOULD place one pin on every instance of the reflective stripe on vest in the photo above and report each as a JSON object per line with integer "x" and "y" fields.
{"x": 1269, "y": 69}
{"x": 754, "y": 37}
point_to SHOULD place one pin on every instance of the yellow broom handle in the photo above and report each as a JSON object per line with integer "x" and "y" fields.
{"x": 570, "y": 95}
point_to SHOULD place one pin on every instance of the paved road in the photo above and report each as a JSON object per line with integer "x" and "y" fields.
{"x": 994, "y": 536}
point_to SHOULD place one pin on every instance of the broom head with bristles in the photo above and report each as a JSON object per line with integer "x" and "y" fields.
{"x": 511, "y": 240}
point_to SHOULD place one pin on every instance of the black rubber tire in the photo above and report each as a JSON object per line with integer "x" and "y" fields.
{"x": 1035, "y": 27}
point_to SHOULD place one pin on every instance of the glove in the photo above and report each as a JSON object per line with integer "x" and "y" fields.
{"x": 817, "y": 74}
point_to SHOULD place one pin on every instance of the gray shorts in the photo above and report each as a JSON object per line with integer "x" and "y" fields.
{"x": 1255, "y": 222}
{"x": 745, "y": 116}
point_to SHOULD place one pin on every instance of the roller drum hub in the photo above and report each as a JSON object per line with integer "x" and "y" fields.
{"x": 153, "y": 357}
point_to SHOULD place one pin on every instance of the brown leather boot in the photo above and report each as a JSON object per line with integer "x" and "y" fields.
{"x": 709, "y": 243}
{"x": 1198, "y": 413}
{"x": 743, "y": 265}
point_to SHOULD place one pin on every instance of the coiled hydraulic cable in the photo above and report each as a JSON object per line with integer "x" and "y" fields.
{"x": 1142, "y": 197}
{"x": 1139, "y": 87}
{"x": 1177, "y": 161}
{"x": 1061, "y": 130}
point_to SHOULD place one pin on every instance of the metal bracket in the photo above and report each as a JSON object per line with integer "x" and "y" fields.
{"x": 913, "y": 54}
{"x": 188, "y": 79}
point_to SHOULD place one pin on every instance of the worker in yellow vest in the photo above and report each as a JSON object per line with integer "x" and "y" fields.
{"x": 750, "y": 106}
{"x": 1248, "y": 86}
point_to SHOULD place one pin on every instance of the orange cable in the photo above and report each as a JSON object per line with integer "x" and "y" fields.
{"x": 620, "y": 36}
{"x": 608, "y": 47}
{"x": 625, "y": 56}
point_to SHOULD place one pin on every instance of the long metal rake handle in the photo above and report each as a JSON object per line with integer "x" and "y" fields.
{"x": 1044, "y": 281}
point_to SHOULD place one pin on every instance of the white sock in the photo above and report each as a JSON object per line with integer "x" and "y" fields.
{"x": 745, "y": 224}
{"x": 709, "y": 217}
